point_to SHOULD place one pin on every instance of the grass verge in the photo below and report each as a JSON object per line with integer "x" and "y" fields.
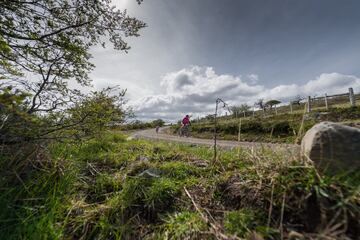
{"x": 111, "y": 188}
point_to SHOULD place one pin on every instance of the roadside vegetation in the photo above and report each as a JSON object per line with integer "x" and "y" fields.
{"x": 281, "y": 128}
{"x": 113, "y": 188}
{"x": 65, "y": 175}
{"x": 137, "y": 125}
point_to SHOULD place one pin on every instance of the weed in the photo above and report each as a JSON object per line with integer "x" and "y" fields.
{"x": 183, "y": 225}
{"x": 160, "y": 195}
{"x": 179, "y": 170}
{"x": 240, "y": 222}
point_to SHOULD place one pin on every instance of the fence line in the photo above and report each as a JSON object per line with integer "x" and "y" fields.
{"x": 310, "y": 103}
{"x": 350, "y": 94}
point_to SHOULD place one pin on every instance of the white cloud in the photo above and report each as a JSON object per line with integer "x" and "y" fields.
{"x": 332, "y": 83}
{"x": 253, "y": 78}
{"x": 194, "y": 90}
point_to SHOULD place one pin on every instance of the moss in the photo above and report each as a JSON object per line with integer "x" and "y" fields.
{"x": 240, "y": 222}
{"x": 183, "y": 225}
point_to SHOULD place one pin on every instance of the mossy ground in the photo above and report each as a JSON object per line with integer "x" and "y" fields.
{"x": 96, "y": 190}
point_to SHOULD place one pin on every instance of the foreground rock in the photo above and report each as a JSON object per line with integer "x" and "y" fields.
{"x": 332, "y": 147}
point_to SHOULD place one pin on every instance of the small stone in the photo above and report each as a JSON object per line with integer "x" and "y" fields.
{"x": 332, "y": 147}
{"x": 200, "y": 163}
{"x": 150, "y": 173}
{"x": 142, "y": 159}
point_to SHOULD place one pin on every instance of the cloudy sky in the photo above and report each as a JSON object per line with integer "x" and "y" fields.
{"x": 193, "y": 52}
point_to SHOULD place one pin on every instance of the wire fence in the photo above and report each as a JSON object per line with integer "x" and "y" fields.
{"x": 308, "y": 104}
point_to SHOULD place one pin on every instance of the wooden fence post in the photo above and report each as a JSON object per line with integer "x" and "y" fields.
{"x": 308, "y": 109}
{"x": 326, "y": 102}
{"x": 352, "y": 97}
{"x": 239, "y": 133}
{"x": 291, "y": 109}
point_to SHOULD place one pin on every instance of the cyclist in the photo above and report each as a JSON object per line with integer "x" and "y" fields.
{"x": 185, "y": 123}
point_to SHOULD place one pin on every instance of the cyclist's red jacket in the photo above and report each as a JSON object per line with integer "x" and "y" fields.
{"x": 186, "y": 121}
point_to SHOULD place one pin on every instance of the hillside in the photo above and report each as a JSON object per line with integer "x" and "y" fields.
{"x": 281, "y": 128}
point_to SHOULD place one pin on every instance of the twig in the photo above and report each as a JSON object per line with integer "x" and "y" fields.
{"x": 271, "y": 205}
{"x": 282, "y": 217}
{"x": 22, "y": 182}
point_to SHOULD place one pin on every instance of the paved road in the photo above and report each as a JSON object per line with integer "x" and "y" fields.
{"x": 151, "y": 134}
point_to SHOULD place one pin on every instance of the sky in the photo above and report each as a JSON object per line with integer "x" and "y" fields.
{"x": 195, "y": 51}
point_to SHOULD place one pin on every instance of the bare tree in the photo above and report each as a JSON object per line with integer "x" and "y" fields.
{"x": 260, "y": 103}
{"x": 297, "y": 100}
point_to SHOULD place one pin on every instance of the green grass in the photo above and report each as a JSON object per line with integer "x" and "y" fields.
{"x": 181, "y": 225}
{"x": 282, "y": 128}
{"x": 95, "y": 190}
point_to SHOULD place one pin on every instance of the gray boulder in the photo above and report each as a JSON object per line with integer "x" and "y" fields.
{"x": 332, "y": 147}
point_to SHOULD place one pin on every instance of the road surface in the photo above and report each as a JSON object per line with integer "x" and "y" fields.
{"x": 152, "y": 135}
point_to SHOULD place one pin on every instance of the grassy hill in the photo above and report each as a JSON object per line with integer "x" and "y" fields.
{"x": 114, "y": 188}
{"x": 285, "y": 127}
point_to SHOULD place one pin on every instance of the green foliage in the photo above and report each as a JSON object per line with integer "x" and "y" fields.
{"x": 96, "y": 112}
{"x": 183, "y": 225}
{"x": 272, "y": 103}
{"x": 54, "y": 48}
{"x": 158, "y": 122}
{"x": 274, "y": 128}
{"x": 161, "y": 194}
{"x": 137, "y": 124}
{"x": 239, "y": 110}
{"x": 95, "y": 190}
{"x": 32, "y": 206}
{"x": 44, "y": 45}
{"x": 179, "y": 170}
{"x": 106, "y": 183}
{"x": 240, "y": 222}
{"x": 86, "y": 118}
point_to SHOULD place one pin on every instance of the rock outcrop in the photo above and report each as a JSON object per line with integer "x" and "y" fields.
{"x": 332, "y": 147}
